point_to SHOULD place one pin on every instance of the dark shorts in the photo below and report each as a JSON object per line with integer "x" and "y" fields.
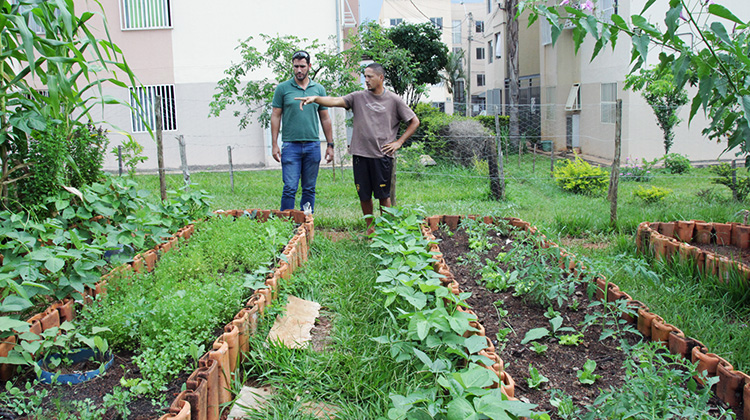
{"x": 372, "y": 177}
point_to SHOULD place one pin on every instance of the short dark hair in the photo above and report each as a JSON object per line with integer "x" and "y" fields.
{"x": 301, "y": 55}
{"x": 377, "y": 68}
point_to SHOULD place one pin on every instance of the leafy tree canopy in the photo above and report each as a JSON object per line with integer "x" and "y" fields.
{"x": 665, "y": 99}
{"x": 412, "y": 54}
{"x": 335, "y": 71}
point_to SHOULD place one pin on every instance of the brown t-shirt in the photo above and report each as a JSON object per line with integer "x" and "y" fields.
{"x": 376, "y": 121}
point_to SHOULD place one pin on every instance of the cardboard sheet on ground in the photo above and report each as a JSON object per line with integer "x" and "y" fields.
{"x": 250, "y": 398}
{"x": 293, "y": 329}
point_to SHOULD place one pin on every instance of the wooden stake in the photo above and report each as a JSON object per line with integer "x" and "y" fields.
{"x": 231, "y": 168}
{"x": 614, "y": 178}
{"x": 183, "y": 161}
{"x": 160, "y": 150}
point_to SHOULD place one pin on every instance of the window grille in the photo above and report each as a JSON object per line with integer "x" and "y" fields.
{"x": 143, "y": 105}
{"x": 608, "y": 102}
{"x": 437, "y": 21}
{"x": 480, "y": 79}
{"x": 145, "y": 14}
{"x": 396, "y": 21}
{"x": 479, "y": 26}
{"x": 480, "y": 53}
{"x": 489, "y": 48}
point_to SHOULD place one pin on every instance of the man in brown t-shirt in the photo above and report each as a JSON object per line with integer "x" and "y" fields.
{"x": 377, "y": 114}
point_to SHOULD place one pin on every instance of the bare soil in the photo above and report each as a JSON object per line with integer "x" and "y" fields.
{"x": 559, "y": 363}
{"x": 730, "y": 251}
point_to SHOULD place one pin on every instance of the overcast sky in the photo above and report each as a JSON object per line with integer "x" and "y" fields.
{"x": 370, "y": 9}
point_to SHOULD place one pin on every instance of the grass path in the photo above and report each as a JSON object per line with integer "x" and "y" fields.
{"x": 353, "y": 373}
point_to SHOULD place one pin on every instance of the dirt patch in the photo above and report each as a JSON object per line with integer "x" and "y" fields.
{"x": 321, "y": 333}
{"x": 123, "y": 367}
{"x": 569, "y": 241}
{"x": 730, "y": 251}
{"x": 560, "y": 363}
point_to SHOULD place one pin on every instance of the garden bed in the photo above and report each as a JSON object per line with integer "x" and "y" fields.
{"x": 219, "y": 361}
{"x": 459, "y": 250}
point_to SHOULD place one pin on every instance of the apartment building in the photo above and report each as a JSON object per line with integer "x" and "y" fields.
{"x": 180, "y": 50}
{"x": 579, "y": 95}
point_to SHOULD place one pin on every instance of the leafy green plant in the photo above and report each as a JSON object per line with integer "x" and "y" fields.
{"x": 535, "y": 379}
{"x": 566, "y": 409}
{"x": 571, "y": 339}
{"x": 410, "y": 284}
{"x": 651, "y": 195}
{"x": 69, "y": 60}
{"x": 24, "y": 401}
{"x": 586, "y": 375}
{"x": 580, "y": 177}
{"x": 657, "y": 385}
{"x": 539, "y": 348}
{"x": 410, "y": 159}
{"x": 676, "y": 163}
{"x": 739, "y": 184}
{"x": 193, "y": 288}
{"x": 608, "y": 315}
{"x": 132, "y": 155}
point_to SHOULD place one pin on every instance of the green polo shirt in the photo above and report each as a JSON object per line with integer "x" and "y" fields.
{"x": 296, "y": 124}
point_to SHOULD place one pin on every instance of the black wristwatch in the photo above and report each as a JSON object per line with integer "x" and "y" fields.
{"x": 330, "y": 144}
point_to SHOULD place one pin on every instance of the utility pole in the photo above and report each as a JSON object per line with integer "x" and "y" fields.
{"x": 468, "y": 64}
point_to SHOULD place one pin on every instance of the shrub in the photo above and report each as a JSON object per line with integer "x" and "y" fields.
{"x": 635, "y": 171}
{"x": 580, "y": 177}
{"x": 55, "y": 160}
{"x": 651, "y": 195}
{"x": 723, "y": 172}
{"x": 676, "y": 164}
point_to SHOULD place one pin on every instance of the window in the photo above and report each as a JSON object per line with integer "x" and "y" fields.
{"x": 489, "y": 6}
{"x": 458, "y": 50}
{"x": 609, "y": 102}
{"x": 551, "y": 102}
{"x": 609, "y": 8}
{"x": 479, "y": 26}
{"x": 144, "y": 109}
{"x": 32, "y": 22}
{"x": 498, "y": 45}
{"x": 489, "y": 48}
{"x": 546, "y": 32}
{"x": 145, "y": 14}
{"x": 456, "y": 31}
{"x": 480, "y": 79}
{"x": 574, "y": 98}
{"x": 480, "y": 53}
{"x": 437, "y": 21}
{"x": 396, "y": 21}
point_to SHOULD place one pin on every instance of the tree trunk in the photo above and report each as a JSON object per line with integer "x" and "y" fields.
{"x": 512, "y": 44}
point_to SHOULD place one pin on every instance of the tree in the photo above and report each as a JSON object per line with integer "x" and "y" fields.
{"x": 513, "y": 71}
{"x": 412, "y": 54}
{"x": 454, "y": 70}
{"x": 718, "y": 63}
{"x": 68, "y": 60}
{"x": 662, "y": 95}
{"x": 335, "y": 71}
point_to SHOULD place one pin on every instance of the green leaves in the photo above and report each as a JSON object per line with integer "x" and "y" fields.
{"x": 586, "y": 375}
{"x": 723, "y": 12}
{"x": 535, "y": 334}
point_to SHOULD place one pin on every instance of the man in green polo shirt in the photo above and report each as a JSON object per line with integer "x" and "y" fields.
{"x": 300, "y": 153}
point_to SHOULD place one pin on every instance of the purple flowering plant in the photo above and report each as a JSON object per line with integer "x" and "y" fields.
{"x": 637, "y": 170}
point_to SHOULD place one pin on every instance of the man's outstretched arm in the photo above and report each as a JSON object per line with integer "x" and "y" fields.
{"x": 329, "y": 101}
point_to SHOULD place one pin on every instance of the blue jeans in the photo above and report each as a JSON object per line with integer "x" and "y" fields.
{"x": 299, "y": 160}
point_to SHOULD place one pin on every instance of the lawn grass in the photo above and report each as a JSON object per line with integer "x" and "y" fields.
{"x": 533, "y": 196}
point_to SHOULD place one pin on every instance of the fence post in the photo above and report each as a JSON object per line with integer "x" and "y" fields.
{"x": 183, "y": 161}
{"x": 119, "y": 158}
{"x": 498, "y": 139}
{"x": 614, "y": 178}
{"x": 231, "y": 168}
{"x": 160, "y": 149}
{"x": 533, "y": 161}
